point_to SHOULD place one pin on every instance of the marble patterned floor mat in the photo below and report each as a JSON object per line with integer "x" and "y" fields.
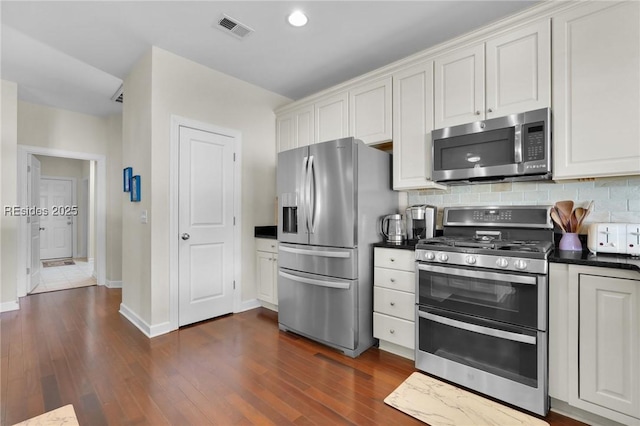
{"x": 441, "y": 404}
{"x": 60, "y": 416}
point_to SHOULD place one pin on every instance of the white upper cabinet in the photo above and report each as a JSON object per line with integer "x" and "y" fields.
{"x": 519, "y": 70}
{"x": 412, "y": 126}
{"x": 332, "y": 117}
{"x": 596, "y": 90}
{"x": 370, "y": 111}
{"x": 459, "y": 87}
{"x": 508, "y": 74}
{"x": 295, "y": 128}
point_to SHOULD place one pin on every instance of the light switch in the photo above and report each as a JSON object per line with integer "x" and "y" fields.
{"x": 144, "y": 217}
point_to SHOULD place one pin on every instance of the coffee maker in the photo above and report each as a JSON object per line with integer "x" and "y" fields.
{"x": 421, "y": 221}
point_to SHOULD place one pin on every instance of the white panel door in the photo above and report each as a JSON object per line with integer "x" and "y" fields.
{"x": 459, "y": 87}
{"x": 56, "y": 238}
{"x": 370, "y": 111}
{"x": 34, "y": 195}
{"x": 608, "y": 344}
{"x": 596, "y": 90}
{"x": 332, "y": 118}
{"x": 206, "y": 222}
{"x": 519, "y": 70}
{"x": 303, "y": 125}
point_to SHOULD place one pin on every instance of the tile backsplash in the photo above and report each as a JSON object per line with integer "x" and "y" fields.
{"x": 614, "y": 199}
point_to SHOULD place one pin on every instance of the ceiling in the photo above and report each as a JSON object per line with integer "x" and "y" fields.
{"x": 75, "y": 54}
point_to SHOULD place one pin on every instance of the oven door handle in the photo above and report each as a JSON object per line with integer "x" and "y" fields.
{"x": 498, "y": 276}
{"x": 501, "y": 334}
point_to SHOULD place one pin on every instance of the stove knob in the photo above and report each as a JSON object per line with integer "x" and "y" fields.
{"x": 520, "y": 264}
{"x": 429, "y": 255}
{"x": 470, "y": 260}
{"x": 442, "y": 257}
{"x": 502, "y": 262}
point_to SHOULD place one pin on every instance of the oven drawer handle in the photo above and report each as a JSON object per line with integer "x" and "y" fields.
{"x": 322, "y": 253}
{"x": 520, "y": 279}
{"x": 501, "y": 334}
{"x": 320, "y": 283}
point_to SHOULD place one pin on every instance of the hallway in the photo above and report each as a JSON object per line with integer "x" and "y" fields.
{"x": 65, "y": 277}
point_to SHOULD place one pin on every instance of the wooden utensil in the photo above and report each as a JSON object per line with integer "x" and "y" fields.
{"x": 564, "y": 222}
{"x": 579, "y": 213}
{"x": 565, "y": 207}
{"x": 556, "y": 219}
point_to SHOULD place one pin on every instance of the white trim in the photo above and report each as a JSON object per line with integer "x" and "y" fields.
{"x": 247, "y": 305}
{"x": 9, "y": 306}
{"x": 113, "y": 284}
{"x": 142, "y": 325}
{"x": 101, "y": 193}
{"x": 74, "y": 202}
{"x": 174, "y": 167}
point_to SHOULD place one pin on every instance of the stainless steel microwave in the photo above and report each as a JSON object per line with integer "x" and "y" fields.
{"x": 511, "y": 148}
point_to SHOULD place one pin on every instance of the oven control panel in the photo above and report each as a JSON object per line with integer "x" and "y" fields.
{"x": 481, "y": 261}
{"x": 538, "y": 217}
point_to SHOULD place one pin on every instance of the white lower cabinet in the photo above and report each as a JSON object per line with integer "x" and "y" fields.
{"x": 267, "y": 270}
{"x": 394, "y": 300}
{"x": 594, "y": 340}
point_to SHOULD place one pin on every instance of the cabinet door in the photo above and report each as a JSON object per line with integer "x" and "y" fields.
{"x": 608, "y": 344}
{"x": 370, "y": 111}
{"x": 265, "y": 276}
{"x": 285, "y": 133}
{"x": 332, "y": 118}
{"x": 303, "y": 119}
{"x": 596, "y": 90}
{"x": 412, "y": 126}
{"x": 459, "y": 87}
{"x": 519, "y": 70}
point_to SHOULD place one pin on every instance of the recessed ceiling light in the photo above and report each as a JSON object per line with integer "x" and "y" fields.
{"x": 298, "y": 19}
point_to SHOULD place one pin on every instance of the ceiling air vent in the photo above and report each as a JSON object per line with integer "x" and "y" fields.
{"x": 118, "y": 96}
{"x": 231, "y": 26}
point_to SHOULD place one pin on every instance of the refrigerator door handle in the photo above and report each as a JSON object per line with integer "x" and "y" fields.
{"x": 303, "y": 201}
{"x": 320, "y": 253}
{"x": 321, "y": 283}
{"x": 311, "y": 210}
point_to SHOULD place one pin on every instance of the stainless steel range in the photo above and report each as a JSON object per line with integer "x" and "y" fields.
{"x": 481, "y": 310}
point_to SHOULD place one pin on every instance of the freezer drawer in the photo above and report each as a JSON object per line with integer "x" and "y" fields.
{"x": 329, "y": 261}
{"x": 321, "y": 308}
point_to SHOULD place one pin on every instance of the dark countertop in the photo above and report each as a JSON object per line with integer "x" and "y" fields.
{"x": 601, "y": 260}
{"x": 406, "y": 245}
{"x": 270, "y": 232}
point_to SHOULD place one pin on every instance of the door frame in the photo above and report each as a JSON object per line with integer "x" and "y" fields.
{"x": 74, "y": 201}
{"x": 174, "y": 167}
{"x": 24, "y": 243}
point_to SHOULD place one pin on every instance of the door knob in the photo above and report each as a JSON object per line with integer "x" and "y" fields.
{"x": 185, "y": 236}
{"x": 69, "y": 223}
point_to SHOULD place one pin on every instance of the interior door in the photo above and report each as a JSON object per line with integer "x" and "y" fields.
{"x": 56, "y": 237}
{"x": 332, "y": 193}
{"x": 34, "y": 197}
{"x": 206, "y": 223}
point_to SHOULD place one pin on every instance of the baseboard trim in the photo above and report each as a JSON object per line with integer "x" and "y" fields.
{"x": 269, "y": 306}
{"x": 148, "y": 330}
{"x": 247, "y": 305}
{"x": 113, "y": 284}
{"x": 9, "y": 306}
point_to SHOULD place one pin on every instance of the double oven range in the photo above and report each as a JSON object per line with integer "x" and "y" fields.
{"x": 481, "y": 310}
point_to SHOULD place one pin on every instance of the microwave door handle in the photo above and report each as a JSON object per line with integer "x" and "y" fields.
{"x": 501, "y": 334}
{"x": 517, "y": 144}
{"x": 496, "y": 276}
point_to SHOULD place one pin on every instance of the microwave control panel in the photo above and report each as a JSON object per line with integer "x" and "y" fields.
{"x": 535, "y": 154}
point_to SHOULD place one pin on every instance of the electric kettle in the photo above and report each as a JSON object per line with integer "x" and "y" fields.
{"x": 393, "y": 228}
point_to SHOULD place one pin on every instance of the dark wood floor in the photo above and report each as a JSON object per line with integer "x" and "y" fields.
{"x": 73, "y": 347}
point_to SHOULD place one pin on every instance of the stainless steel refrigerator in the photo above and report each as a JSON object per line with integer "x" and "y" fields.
{"x": 331, "y": 197}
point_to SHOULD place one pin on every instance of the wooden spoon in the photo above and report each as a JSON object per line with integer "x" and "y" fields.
{"x": 557, "y": 220}
{"x": 565, "y": 207}
{"x": 579, "y": 213}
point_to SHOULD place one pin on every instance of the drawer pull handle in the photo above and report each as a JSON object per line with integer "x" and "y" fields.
{"x": 392, "y": 259}
{"x": 392, "y": 331}
{"x": 392, "y": 303}
{"x": 393, "y": 280}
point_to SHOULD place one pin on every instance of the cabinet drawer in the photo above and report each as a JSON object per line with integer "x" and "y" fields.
{"x": 394, "y": 330}
{"x": 396, "y": 303}
{"x": 266, "y": 244}
{"x": 394, "y": 279}
{"x": 403, "y": 260}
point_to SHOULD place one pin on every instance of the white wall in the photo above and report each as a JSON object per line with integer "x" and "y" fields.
{"x": 8, "y": 186}
{"x": 55, "y": 128}
{"x": 182, "y": 87}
